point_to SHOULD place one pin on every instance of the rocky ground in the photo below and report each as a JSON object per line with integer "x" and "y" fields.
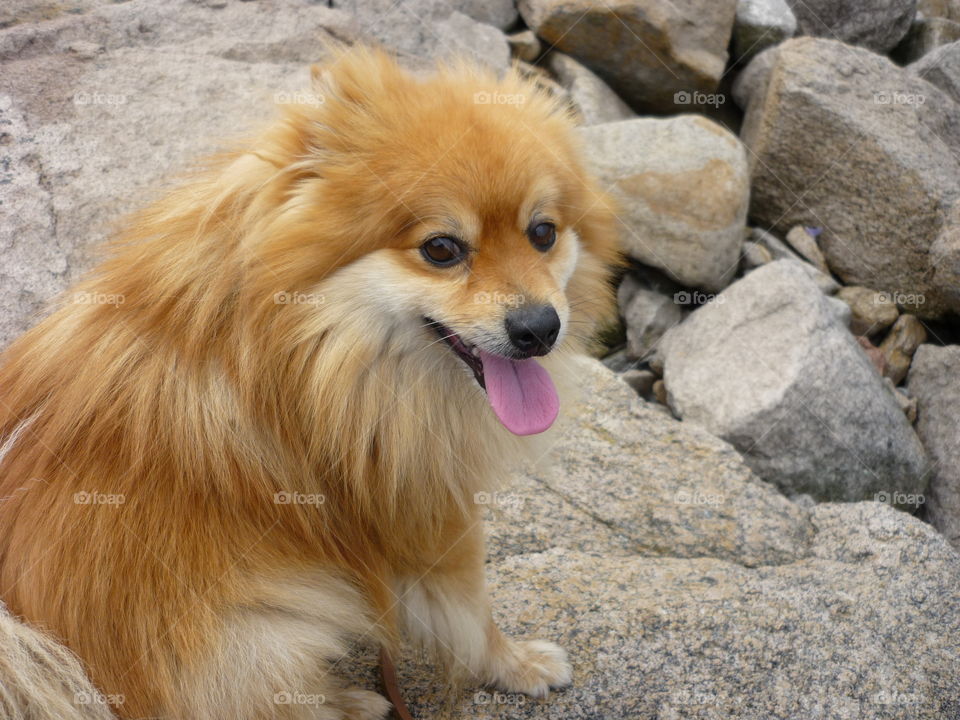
{"x": 755, "y": 511}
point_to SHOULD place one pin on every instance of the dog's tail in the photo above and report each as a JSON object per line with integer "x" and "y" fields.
{"x": 40, "y": 679}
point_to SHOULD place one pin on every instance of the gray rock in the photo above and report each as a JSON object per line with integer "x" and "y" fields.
{"x": 647, "y": 314}
{"x": 752, "y": 80}
{"x": 499, "y": 13}
{"x": 769, "y": 367}
{"x": 777, "y": 249}
{"x": 949, "y": 9}
{"x": 683, "y": 187}
{"x": 875, "y": 24}
{"x": 906, "y": 335}
{"x": 641, "y": 381}
{"x": 871, "y": 311}
{"x": 934, "y": 381}
{"x": 941, "y": 66}
{"x": 754, "y": 255}
{"x": 647, "y": 51}
{"x": 594, "y": 99}
{"x": 845, "y": 137}
{"x": 761, "y": 24}
{"x": 925, "y": 34}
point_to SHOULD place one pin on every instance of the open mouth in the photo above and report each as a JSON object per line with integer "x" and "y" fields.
{"x": 470, "y": 354}
{"x": 520, "y": 392}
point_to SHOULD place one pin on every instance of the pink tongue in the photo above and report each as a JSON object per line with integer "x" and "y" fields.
{"x": 521, "y": 393}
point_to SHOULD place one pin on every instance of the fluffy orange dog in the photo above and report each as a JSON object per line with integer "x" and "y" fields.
{"x": 325, "y": 347}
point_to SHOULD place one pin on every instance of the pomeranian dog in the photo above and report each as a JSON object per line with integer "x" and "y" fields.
{"x": 256, "y": 431}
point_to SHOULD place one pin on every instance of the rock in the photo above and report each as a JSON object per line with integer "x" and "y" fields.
{"x": 684, "y": 190}
{"x": 752, "y": 80}
{"x": 925, "y": 34}
{"x": 641, "y": 381}
{"x": 871, "y": 311}
{"x": 499, "y": 13}
{"x": 619, "y": 362}
{"x": 525, "y": 46}
{"x": 900, "y": 344}
{"x": 773, "y": 371}
{"x": 949, "y": 9}
{"x": 645, "y": 50}
{"x": 934, "y": 381}
{"x": 779, "y": 250}
{"x": 596, "y": 102}
{"x": 875, "y": 24}
{"x": 760, "y": 24}
{"x": 754, "y": 255}
{"x": 896, "y": 137}
{"x": 660, "y": 392}
{"x": 647, "y": 314}
{"x": 804, "y": 242}
{"x": 941, "y": 66}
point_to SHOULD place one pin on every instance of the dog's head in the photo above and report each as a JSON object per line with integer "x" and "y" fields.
{"x": 453, "y": 211}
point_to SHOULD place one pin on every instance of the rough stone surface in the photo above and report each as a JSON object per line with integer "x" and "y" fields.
{"x": 525, "y": 46}
{"x": 844, "y": 140}
{"x": 647, "y": 51}
{"x": 769, "y": 367}
{"x": 499, "y": 13}
{"x": 594, "y": 99}
{"x": 875, "y": 24}
{"x": 901, "y": 343}
{"x": 941, "y": 66}
{"x": 751, "y": 81}
{"x": 871, "y": 312}
{"x": 648, "y": 314}
{"x": 684, "y": 190}
{"x": 761, "y": 24}
{"x": 934, "y": 382}
{"x": 766, "y": 244}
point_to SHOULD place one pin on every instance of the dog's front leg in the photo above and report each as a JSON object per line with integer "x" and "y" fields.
{"x": 446, "y": 609}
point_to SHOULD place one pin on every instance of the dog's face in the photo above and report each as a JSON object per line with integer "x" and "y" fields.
{"x": 483, "y": 237}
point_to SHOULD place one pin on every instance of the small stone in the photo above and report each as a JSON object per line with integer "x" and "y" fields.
{"x": 525, "y": 46}
{"x": 648, "y": 314}
{"x": 899, "y": 346}
{"x": 754, "y": 255}
{"x": 761, "y": 24}
{"x": 660, "y": 392}
{"x": 872, "y": 312}
{"x": 873, "y": 352}
{"x": 801, "y": 240}
{"x": 640, "y": 380}
{"x": 907, "y": 404}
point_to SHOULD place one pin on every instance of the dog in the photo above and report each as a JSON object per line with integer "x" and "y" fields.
{"x": 256, "y": 431}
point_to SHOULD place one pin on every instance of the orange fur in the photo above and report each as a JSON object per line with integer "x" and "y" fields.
{"x": 201, "y": 397}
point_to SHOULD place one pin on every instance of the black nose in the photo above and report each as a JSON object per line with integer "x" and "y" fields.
{"x": 533, "y": 329}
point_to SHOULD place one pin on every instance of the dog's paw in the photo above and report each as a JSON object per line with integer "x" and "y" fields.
{"x": 533, "y": 667}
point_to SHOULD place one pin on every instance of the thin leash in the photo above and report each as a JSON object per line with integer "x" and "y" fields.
{"x": 388, "y": 673}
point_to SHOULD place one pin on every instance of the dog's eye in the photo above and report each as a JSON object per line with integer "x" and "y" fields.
{"x": 543, "y": 235}
{"x": 442, "y": 251}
